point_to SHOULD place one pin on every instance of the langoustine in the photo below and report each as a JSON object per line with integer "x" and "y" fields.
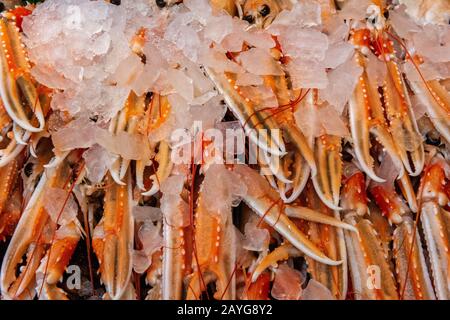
{"x": 194, "y": 249}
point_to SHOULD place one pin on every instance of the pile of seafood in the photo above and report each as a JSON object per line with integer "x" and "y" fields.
{"x": 248, "y": 149}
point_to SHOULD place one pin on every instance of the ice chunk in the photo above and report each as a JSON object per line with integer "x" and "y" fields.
{"x": 303, "y": 13}
{"x": 258, "y": 39}
{"x": 200, "y": 8}
{"x": 418, "y": 107}
{"x": 233, "y": 42}
{"x": 336, "y": 29}
{"x": 243, "y": 256}
{"x": 208, "y": 114}
{"x": 219, "y": 27}
{"x": 202, "y": 84}
{"x": 183, "y": 34}
{"x": 341, "y": 84}
{"x": 260, "y": 62}
{"x": 173, "y": 185}
{"x": 402, "y": 23}
{"x": 67, "y": 231}
{"x": 79, "y": 133}
{"x": 307, "y": 74}
{"x": 387, "y": 170}
{"x": 175, "y": 210}
{"x": 307, "y": 120}
{"x": 127, "y": 145}
{"x": 43, "y": 75}
{"x": 331, "y": 122}
{"x": 60, "y": 205}
{"x": 151, "y": 240}
{"x": 221, "y": 189}
{"x": 249, "y": 176}
{"x": 86, "y": 43}
{"x": 153, "y": 70}
{"x": 376, "y": 69}
{"x": 262, "y": 96}
{"x": 255, "y": 237}
{"x": 82, "y": 133}
{"x": 309, "y": 13}
{"x": 288, "y": 283}
{"x": 146, "y": 213}
{"x": 355, "y": 9}
{"x": 97, "y": 161}
{"x": 315, "y": 121}
{"x": 150, "y": 237}
{"x": 137, "y": 8}
{"x": 432, "y": 43}
{"x": 141, "y": 262}
{"x": 128, "y": 71}
{"x": 101, "y": 101}
{"x": 307, "y": 44}
{"x": 337, "y": 54}
{"x": 219, "y": 62}
{"x": 316, "y": 291}
{"x": 182, "y": 84}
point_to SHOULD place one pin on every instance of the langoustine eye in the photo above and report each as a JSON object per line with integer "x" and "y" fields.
{"x": 161, "y": 3}
{"x": 249, "y": 18}
{"x": 265, "y": 10}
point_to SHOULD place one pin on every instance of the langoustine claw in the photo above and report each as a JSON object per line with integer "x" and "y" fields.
{"x": 267, "y": 205}
{"x": 157, "y": 114}
{"x": 176, "y": 239}
{"x": 126, "y": 121}
{"x": 18, "y": 90}
{"x": 366, "y": 255}
{"x": 214, "y": 257}
{"x": 113, "y": 238}
{"x": 35, "y": 234}
{"x": 397, "y": 105}
{"x": 138, "y": 118}
{"x": 435, "y": 218}
{"x": 414, "y": 281}
{"x": 56, "y": 260}
{"x": 188, "y": 242}
{"x": 11, "y": 147}
{"x": 367, "y": 116}
{"x": 436, "y": 99}
{"x": 332, "y": 242}
{"x": 270, "y": 132}
{"x": 327, "y": 150}
{"x": 10, "y": 196}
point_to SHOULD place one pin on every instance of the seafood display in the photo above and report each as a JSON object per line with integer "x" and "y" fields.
{"x": 222, "y": 149}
